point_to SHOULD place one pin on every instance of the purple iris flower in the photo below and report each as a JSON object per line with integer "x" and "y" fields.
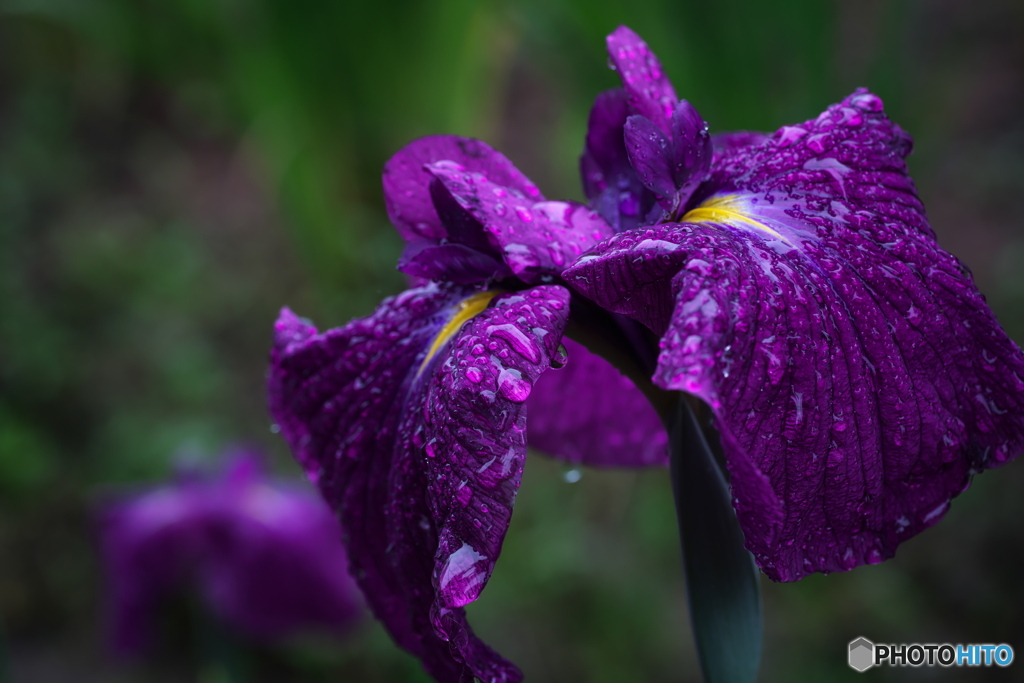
{"x": 265, "y": 554}
{"x": 790, "y": 282}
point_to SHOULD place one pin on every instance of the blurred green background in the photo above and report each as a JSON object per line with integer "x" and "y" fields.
{"x": 172, "y": 173}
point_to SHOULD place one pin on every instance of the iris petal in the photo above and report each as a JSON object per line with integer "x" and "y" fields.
{"x": 422, "y": 467}
{"x": 650, "y": 92}
{"x": 589, "y": 413}
{"x": 407, "y": 184}
{"x": 611, "y": 184}
{"x": 856, "y": 375}
{"x": 536, "y": 239}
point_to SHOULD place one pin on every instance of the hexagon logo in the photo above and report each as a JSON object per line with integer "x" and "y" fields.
{"x": 862, "y": 654}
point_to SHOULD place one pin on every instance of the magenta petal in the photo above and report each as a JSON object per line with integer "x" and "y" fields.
{"x": 588, "y": 413}
{"x": 650, "y": 153}
{"x": 650, "y": 92}
{"x": 631, "y": 273}
{"x": 611, "y": 184}
{"x": 338, "y": 398}
{"x": 406, "y": 184}
{"x": 604, "y": 158}
{"x": 857, "y": 377}
{"x": 421, "y": 460}
{"x": 473, "y": 431}
{"x": 450, "y": 262}
{"x": 691, "y": 151}
{"x": 536, "y": 239}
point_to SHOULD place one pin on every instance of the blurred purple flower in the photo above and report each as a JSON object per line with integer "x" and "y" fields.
{"x": 854, "y": 372}
{"x": 266, "y": 555}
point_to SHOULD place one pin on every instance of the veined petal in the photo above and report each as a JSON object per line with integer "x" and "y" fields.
{"x": 473, "y": 429}
{"x": 407, "y": 184}
{"x": 589, "y": 413}
{"x": 855, "y": 373}
{"x": 338, "y": 398}
{"x": 650, "y": 92}
{"x": 536, "y": 239}
{"x": 419, "y": 445}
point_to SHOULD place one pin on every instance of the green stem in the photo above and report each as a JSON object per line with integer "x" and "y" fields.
{"x": 722, "y": 581}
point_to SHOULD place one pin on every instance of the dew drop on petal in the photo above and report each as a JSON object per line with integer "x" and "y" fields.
{"x": 513, "y": 387}
{"x": 524, "y": 214}
{"x": 560, "y": 358}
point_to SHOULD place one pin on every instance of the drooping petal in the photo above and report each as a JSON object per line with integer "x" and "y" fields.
{"x": 473, "y": 425}
{"x": 589, "y": 413}
{"x": 407, "y": 185}
{"x": 650, "y": 92}
{"x": 855, "y": 373}
{"x": 415, "y": 430}
{"x": 611, "y": 184}
{"x": 337, "y": 398}
{"x": 536, "y": 239}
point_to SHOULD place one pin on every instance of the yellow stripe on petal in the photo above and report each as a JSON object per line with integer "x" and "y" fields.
{"x": 468, "y": 309}
{"x": 729, "y": 209}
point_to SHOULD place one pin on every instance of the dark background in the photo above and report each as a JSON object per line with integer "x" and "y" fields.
{"x": 172, "y": 173}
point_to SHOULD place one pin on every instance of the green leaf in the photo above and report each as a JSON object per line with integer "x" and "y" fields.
{"x": 722, "y": 581}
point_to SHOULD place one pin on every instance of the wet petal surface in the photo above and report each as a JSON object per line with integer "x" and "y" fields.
{"x": 422, "y": 456}
{"x": 650, "y": 93}
{"x": 407, "y": 184}
{"x": 855, "y": 373}
{"x": 536, "y": 239}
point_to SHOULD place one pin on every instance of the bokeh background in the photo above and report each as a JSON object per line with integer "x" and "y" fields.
{"x": 173, "y": 172}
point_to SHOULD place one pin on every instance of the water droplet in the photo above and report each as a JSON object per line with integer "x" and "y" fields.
{"x": 461, "y": 579}
{"x": 513, "y": 387}
{"x": 560, "y": 358}
{"x": 275, "y": 428}
{"x": 474, "y": 375}
{"x": 572, "y": 476}
{"x": 517, "y": 339}
{"x": 524, "y": 214}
